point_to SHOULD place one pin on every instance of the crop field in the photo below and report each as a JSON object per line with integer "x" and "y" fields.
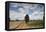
{"x": 23, "y": 25}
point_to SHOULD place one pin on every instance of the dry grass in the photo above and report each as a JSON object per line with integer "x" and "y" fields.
{"x": 23, "y": 25}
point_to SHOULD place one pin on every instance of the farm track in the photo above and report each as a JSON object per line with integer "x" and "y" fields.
{"x": 18, "y": 25}
{"x": 21, "y": 26}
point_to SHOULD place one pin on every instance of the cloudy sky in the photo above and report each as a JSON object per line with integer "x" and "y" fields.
{"x": 19, "y": 10}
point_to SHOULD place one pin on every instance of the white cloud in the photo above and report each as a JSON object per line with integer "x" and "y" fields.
{"x": 13, "y": 5}
{"x": 15, "y": 15}
{"x": 25, "y": 10}
{"x": 12, "y": 15}
{"x": 37, "y": 15}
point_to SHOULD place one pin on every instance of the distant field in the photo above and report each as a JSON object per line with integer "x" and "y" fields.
{"x": 22, "y": 25}
{"x": 35, "y": 23}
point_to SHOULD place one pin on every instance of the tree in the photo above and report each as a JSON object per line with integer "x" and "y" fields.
{"x": 26, "y": 18}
